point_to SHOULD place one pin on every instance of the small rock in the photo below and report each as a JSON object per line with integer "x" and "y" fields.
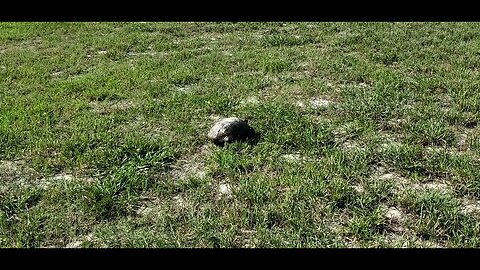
{"x": 224, "y": 189}
{"x": 394, "y": 214}
{"x": 229, "y": 130}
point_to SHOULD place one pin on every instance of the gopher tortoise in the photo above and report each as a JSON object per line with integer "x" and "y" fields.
{"x": 229, "y": 130}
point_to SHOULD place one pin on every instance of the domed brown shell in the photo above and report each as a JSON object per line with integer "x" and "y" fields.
{"x": 229, "y": 130}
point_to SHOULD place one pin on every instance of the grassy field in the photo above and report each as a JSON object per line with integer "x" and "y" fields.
{"x": 369, "y": 134}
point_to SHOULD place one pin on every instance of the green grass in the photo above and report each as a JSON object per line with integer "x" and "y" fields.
{"x": 369, "y": 134}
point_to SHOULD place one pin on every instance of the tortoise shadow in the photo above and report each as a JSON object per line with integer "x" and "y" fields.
{"x": 250, "y": 140}
{"x": 253, "y": 140}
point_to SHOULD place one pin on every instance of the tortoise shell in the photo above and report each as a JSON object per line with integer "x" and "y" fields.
{"x": 229, "y": 130}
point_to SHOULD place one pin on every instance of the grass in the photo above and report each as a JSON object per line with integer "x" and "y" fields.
{"x": 369, "y": 134}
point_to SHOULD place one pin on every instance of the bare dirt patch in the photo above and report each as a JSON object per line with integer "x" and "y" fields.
{"x": 19, "y": 173}
{"x": 388, "y": 141}
{"x": 470, "y": 206}
{"x": 224, "y": 190}
{"x": 352, "y": 146}
{"x": 400, "y": 183}
{"x": 57, "y": 73}
{"x": 295, "y": 158}
{"x": 179, "y": 201}
{"x": 396, "y": 123}
{"x": 150, "y": 205}
{"x": 79, "y": 241}
{"x": 16, "y": 170}
{"x": 74, "y": 244}
{"x": 441, "y": 186}
{"x": 408, "y": 240}
{"x": 394, "y": 215}
{"x": 46, "y": 182}
{"x": 143, "y": 210}
{"x": 193, "y": 165}
{"x": 99, "y": 52}
{"x": 250, "y": 100}
{"x": 320, "y": 102}
{"x": 396, "y": 218}
{"x": 462, "y": 140}
{"x": 184, "y": 89}
{"x": 227, "y": 53}
{"x": 31, "y": 44}
{"x": 359, "y": 188}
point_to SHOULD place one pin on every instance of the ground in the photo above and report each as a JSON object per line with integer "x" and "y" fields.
{"x": 369, "y": 134}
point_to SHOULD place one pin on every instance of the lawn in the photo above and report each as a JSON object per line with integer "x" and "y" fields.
{"x": 369, "y": 134}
